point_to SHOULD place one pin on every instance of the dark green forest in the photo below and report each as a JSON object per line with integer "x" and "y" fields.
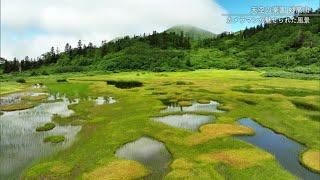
{"x": 288, "y": 46}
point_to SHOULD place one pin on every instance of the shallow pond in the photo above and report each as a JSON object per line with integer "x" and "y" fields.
{"x": 21, "y": 145}
{"x": 195, "y": 107}
{"x": 284, "y": 149}
{"x": 149, "y": 152}
{"x": 125, "y": 84}
{"x": 186, "y": 121}
{"x": 16, "y": 97}
{"x": 103, "y": 100}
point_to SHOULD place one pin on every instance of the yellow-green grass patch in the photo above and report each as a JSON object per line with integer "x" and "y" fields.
{"x": 185, "y": 169}
{"x": 10, "y": 87}
{"x": 118, "y": 170}
{"x": 49, "y": 170}
{"x": 204, "y": 101}
{"x": 240, "y": 158}
{"x": 35, "y": 98}
{"x": 311, "y": 159}
{"x": 185, "y": 103}
{"x": 54, "y": 139}
{"x": 211, "y": 131}
{"x": 181, "y": 164}
{"x": 18, "y": 106}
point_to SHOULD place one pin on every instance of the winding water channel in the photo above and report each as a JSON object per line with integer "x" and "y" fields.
{"x": 284, "y": 149}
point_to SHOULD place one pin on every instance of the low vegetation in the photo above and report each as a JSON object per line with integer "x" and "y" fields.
{"x": 211, "y": 131}
{"x": 239, "y": 158}
{"x": 311, "y": 159}
{"x": 17, "y": 106}
{"x": 305, "y": 105}
{"x": 21, "y": 80}
{"x": 56, "y": 170}
{"x": 70, "y": 120}
{"x": 247, "y": 101}
{"x": 46, "y": 127}
{"x": 37, "y": 98}
{"x": 184, "y": 103}
{"x": 106, "y": 128}
{"x": 276, "y": 90}
{"x": 291, "y": 75}
{"x": 54, "y": 139}
{"x": 117, "y": 170}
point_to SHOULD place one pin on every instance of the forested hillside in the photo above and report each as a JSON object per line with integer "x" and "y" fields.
{"x": 194, "y": 33}
{"x": 275, "y": 45}
{"x": 278, "y": 45}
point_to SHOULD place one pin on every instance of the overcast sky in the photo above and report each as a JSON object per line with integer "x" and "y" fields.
{"x": 31, "y": 27}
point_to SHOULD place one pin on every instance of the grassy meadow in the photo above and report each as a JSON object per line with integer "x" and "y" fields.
{"x": 287, "y": 106}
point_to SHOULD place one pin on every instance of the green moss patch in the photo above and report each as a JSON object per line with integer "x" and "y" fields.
{"x": 184, "y": 103}
{"x": 204, "y": 101}
{"x": 276, "y": 90}
{"x": 35, "y": 98}
{"x": 15, "y": 107}
{"x": 49, "y": 170}
{"x": 46, "y": 127}
{"x": 73, "y": 120}
{"x": 54, "y": 139}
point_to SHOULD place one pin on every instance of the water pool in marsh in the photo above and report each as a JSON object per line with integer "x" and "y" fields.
{"x": 21, "y": 145}
{"x": 195, "y": 107}
{"x": 17, "y": 97}
{"x": 186, "y": 121}
{"x": 149, "y": 152}
{"x": 284, "y": 149}
{"x": 102, "y": 100}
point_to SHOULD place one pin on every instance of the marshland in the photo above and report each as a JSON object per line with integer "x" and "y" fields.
{"x": 88, "y": 129}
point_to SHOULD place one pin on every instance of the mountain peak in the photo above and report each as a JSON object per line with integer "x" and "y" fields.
{"x": 191, "y": 31}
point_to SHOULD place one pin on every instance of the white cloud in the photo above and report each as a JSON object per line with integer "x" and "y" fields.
{"x": 95, "y": 20}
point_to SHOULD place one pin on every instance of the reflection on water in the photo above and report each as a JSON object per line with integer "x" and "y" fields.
{"x": 11, "y": 99}
{"x": 151, "y": 153}
{"x": 195, "y": 107}
{"x": 284, "y": 149}
{"x": 16, "y": 97}
{"x": 185, "y": 121}
{"x": 103, "y": 100}
{"x": 20, "y": 144}
{"x": 38, "y": 86}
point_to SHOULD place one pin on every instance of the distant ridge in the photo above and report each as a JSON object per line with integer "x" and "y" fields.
{"x": 192, "y": 32}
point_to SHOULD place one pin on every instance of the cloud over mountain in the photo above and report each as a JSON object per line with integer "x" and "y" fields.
{"x": 32, "y": 27}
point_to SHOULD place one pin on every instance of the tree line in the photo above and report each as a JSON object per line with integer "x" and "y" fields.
{"x": 83, "y": 54}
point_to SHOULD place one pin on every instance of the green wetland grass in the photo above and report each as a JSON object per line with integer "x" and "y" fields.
{"x": 46, "y": 127}
{"x": 195, "y": 155}
{"x": 54, "y": 139}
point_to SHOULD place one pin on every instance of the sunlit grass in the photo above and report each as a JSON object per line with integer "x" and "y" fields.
{"x": 106, "y": 128}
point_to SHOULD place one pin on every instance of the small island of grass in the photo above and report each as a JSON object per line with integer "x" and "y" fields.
{"x": 46, "y": 127}
{"x": 184, "y": 103}
{"x": 311, "y": 159}
{"x": 54, "y": 139}
{"x": 15, "y": 107}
